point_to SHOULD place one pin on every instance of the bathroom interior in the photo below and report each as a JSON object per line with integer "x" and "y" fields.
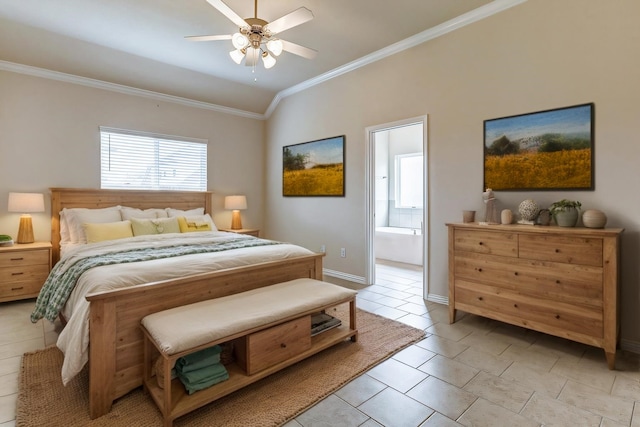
{"x": 399, "y": 198}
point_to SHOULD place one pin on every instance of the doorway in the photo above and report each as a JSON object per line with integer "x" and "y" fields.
{"x": 397, "y": 203}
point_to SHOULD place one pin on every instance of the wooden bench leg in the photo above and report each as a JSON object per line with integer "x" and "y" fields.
{"x": 352, "y": 319}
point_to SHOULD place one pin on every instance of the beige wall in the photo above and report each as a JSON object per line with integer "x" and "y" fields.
{"x": 540, "y": 55}
{"x": 49, "y": 137}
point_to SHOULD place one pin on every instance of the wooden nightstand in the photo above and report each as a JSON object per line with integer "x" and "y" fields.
{"x": 249, "y": 231}
{"x": 23, "y": 270}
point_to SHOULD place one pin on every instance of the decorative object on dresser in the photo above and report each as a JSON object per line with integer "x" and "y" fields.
{"x": 468, "y": 216}
{"x": 544, "y": 217}
{"x": 236, "y": 204}
{"x": 565, "y": 212}
{"x": 506, "y": 216}
{"x": 593, "y": 218}
{"x": 528, "y": 211}
{"x": 490, "y": 210}
{"x": 23, "y": 270}
{"x": 557, "y": 280}
{"x": 25, "y": 204}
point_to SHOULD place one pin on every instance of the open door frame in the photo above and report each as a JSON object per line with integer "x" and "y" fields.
{"x": 370, "y": 197}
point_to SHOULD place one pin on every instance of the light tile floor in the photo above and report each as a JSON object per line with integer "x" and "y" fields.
{"x": 476, "y": 372}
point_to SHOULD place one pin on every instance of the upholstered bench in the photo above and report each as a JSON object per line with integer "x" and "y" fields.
{"x": 270, "y": 328}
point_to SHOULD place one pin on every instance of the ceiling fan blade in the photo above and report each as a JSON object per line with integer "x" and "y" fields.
{"x": 251, "y": 57}
{"x": 293, "y": 19}
{"x": 208, "y": 38}
{"x": 228, "y": 12}
{"x": 296, "y": 49}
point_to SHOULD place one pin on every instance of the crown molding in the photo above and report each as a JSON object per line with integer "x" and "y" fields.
{"x": 463, "y": 20}
{"x": 127, "y": 90}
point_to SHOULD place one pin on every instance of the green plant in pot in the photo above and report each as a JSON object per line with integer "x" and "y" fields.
{"x": 565, "y": 212}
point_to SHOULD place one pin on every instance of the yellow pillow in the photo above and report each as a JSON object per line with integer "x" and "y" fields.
{"x": 107, "y": 231}
{"x": 144, "y": 226}
{"x": 193, "y": 224}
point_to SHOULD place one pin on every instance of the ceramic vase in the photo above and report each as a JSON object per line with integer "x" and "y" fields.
{"x": 567, "y": 218}
{"x": 593, "y": 218}
{"x": 506, "y": 216}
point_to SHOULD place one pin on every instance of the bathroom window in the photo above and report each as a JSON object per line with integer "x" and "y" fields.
{"x": 409, "y": 169}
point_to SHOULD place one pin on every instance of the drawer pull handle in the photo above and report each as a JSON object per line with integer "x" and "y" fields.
{"x": 17, "y": 289}
{"x": 17, "y": 259}
{"x": 480, "y": 243}
{"x": 558, "y": 282}
{"x": 557, "y": 316}
{"x": 515, "y": 273}
{"x": 515, "y": 305}
{"x": 479, "y": 270}
{"x": 479, "y": 298}
{"x": 17, "y": 274}
{"x": 557, "y": 251}
{"x": 283, "y": 345}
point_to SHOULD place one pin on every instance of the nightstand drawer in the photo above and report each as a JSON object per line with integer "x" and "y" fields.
{"x": 21, "y": 289}
{"x": 22, "y": 273}
{"x": 21, "y": 258}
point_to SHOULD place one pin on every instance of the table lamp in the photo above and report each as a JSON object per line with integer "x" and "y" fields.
{"x": 235, "y": 203}
{"x": 25, "y": 203}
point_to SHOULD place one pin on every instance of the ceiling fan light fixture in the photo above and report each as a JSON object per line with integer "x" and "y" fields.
{"x": 268, "y": 60}
{"x": 239, "y": 41}
{"x": 237, "y": 56}
{"x": 275, "y": 47}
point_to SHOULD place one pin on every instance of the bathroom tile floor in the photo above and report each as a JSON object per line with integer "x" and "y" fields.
{"x": 475, "y": 372}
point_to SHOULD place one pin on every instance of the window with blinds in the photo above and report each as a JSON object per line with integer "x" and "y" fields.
{"x": 146, "y": 161}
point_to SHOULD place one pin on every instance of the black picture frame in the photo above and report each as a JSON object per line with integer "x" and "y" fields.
{"x": 314, "y": 168}
{"x": 546, "y": 150}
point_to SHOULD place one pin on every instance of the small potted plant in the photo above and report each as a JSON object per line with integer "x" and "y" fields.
{"x": 565, "y": 212}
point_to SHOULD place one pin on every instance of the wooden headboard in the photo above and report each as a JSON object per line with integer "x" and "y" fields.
{"x": 97, "y": 198}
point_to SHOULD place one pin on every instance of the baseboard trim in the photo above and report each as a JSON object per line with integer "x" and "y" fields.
{"x": 632, "y": 346}
{"x": 344, "y": 276}
{"x": 438, "y": 299}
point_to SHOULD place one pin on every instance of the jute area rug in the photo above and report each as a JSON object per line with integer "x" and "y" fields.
{"x": 44, "y": 401}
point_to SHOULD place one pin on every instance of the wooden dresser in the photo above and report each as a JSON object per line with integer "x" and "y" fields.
{"x": 558, "y": 280}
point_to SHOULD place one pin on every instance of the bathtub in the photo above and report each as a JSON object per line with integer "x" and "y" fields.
{"x": 399, "y": 244}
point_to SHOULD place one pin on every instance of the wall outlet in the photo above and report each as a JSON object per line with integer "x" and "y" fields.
{"x": 323, "y": 249}
{"x": 343, "y": 252}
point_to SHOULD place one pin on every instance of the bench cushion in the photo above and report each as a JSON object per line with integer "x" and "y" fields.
{"x": 183, "y": 328}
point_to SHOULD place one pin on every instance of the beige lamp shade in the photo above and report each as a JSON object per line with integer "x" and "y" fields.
{"x": 25, "y": 203}
{"x": 235, "y": 203}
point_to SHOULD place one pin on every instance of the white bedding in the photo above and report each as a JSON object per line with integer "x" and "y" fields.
{"x": 74, "y": 338}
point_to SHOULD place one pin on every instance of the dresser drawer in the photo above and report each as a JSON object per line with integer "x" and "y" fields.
{"x": 486, "y": 242}
{"x": 21, "y": 258}
{"x": 542, "y": 314}
{"x": 578, "y": 284}
{"x": 567, "y": 249}
{"x": 271, "y": 346}
{"x": 32, "y": 273}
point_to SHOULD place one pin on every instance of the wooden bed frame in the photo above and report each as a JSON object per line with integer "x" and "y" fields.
{"x": 116, "y": 340}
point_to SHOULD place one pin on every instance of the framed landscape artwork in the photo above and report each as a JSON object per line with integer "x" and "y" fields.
{"x": 545, "y": 150}
{"x": 314, "y": 168}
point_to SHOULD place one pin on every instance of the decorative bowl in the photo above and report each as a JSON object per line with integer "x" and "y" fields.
{"x": 593, "y": 218}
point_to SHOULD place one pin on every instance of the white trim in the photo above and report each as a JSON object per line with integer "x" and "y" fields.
{"x": 127, "y": 90}
{"x": 438, "y": 299}
{"x": 153, "y": 135}
{"x": 463, "y": 20}
{"x": 344, "y": 276}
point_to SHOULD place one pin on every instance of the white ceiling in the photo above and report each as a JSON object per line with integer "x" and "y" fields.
{"x": 140, "y": 43}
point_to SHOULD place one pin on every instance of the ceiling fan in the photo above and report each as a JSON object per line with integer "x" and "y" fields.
{"x": 257, "y": 38}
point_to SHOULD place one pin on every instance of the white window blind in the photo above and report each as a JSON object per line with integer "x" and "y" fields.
{"x": 409, "y": 186}
{"x": 146, "y": 161}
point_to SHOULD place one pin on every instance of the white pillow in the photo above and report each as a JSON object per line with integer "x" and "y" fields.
{"x": 128, "y": 213}
{"x": 76, "y": 217}
{"x": 191, "y": 212}
{"x": 64, "y": 229}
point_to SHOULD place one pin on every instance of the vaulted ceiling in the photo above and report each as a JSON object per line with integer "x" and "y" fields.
{"x": 141, "y": 44}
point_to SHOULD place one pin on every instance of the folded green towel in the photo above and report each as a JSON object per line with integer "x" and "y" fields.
{"x": 203, "y": 378}
{"x": 199, "y": 359}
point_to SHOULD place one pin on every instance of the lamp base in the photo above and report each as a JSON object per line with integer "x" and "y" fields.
{"x": 25, "y": 231}
{"x": 236, "y": 221}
